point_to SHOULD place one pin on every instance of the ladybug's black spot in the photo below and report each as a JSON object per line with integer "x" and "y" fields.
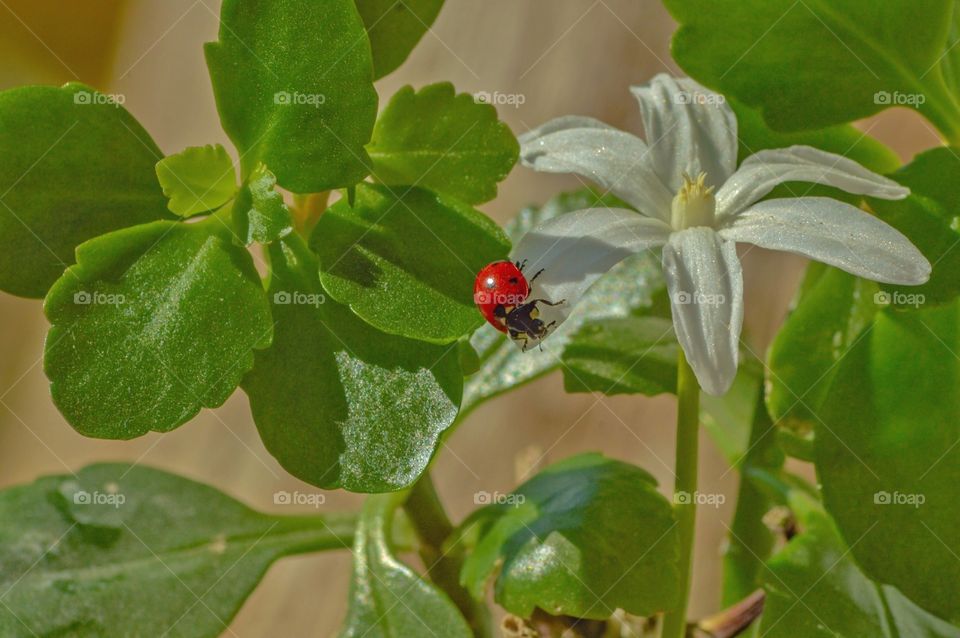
{"x": 513, "y": 280}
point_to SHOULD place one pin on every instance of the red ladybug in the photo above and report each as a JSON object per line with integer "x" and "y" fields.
{"x": 501, "y": 292}
{"x": 500, "y": 285}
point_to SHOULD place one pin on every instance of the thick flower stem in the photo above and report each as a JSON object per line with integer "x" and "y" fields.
{"x": 307, "y": 210}
{"x": 443, "y": 564}
{"x": 688, "y": 432}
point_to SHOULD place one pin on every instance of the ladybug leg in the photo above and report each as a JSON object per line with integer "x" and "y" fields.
{"x": 549, "y": 303}
{"x": 521, "y": 265}
{"x": 526, "y": 343}
{"x": 545, "y": 330}
{"x": 519, "y": 337}
{"x": 539, "y": 272}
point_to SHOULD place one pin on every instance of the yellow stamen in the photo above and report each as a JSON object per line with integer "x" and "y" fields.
{"x": 694, "y": 205}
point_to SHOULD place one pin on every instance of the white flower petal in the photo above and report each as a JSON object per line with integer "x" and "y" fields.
{"x": 617, "y": 161}
{"x": 706, "y": 294}
{"x": 833, "y": 232}
{"x": 575, "y": 249}
{"x": 561, "y": 124}
{"x": 762, "y": 171}
{"x": 689, "y": 128}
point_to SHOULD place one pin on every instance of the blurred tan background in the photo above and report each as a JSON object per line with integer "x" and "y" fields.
{"x": 563, "y": 56}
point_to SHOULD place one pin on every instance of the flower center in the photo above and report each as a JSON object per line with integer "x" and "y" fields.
{"x": 694, "y": 205}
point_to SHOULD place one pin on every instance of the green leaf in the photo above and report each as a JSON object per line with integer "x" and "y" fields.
{"x": 727, "y": 418}
{"x": 197, "y": 180}
{"x": 750, "y": 540}
{"x": 930, "y": 218}
{"x": 783, "y": 57}
{"x": 259, "y": 213}
{"x": 405, "y": 260}
{"x": 815, "y": 589}
{"x": 442, "y": 141}
{"x": 755, "y": 135}
{"x": 932, "y": 174}
{"x": 887, "y": 453}
{"x": 294, "y": 86}
{"x": 950, "y": 63}
{"x": 338, "y": 403}
{"x": 394, "y": 28}
{"x": 469, "y": 358}
{"x": 629, "y": 286}
{"x": 561, "y": 539}
{"x": 834, "y": 308}
{"x": 625, "y": 355}
{"x": 153, "y": 323}
{"x": 75, "y": 165}
{"x": 127, "y": 550}
{"x": 831, "y": 313}
{"x": 387, "y": 598}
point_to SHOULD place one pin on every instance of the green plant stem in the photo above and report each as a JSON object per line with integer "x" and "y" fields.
{"x": 317, "y": 533}
{"x": 688, "y": 433}
{"x": 433, "y": 526}
{"x": 220, "y": 220}
{"x": 307, "y": 211}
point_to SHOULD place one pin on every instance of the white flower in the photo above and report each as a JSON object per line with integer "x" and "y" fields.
{"x": 696, "y": 204}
